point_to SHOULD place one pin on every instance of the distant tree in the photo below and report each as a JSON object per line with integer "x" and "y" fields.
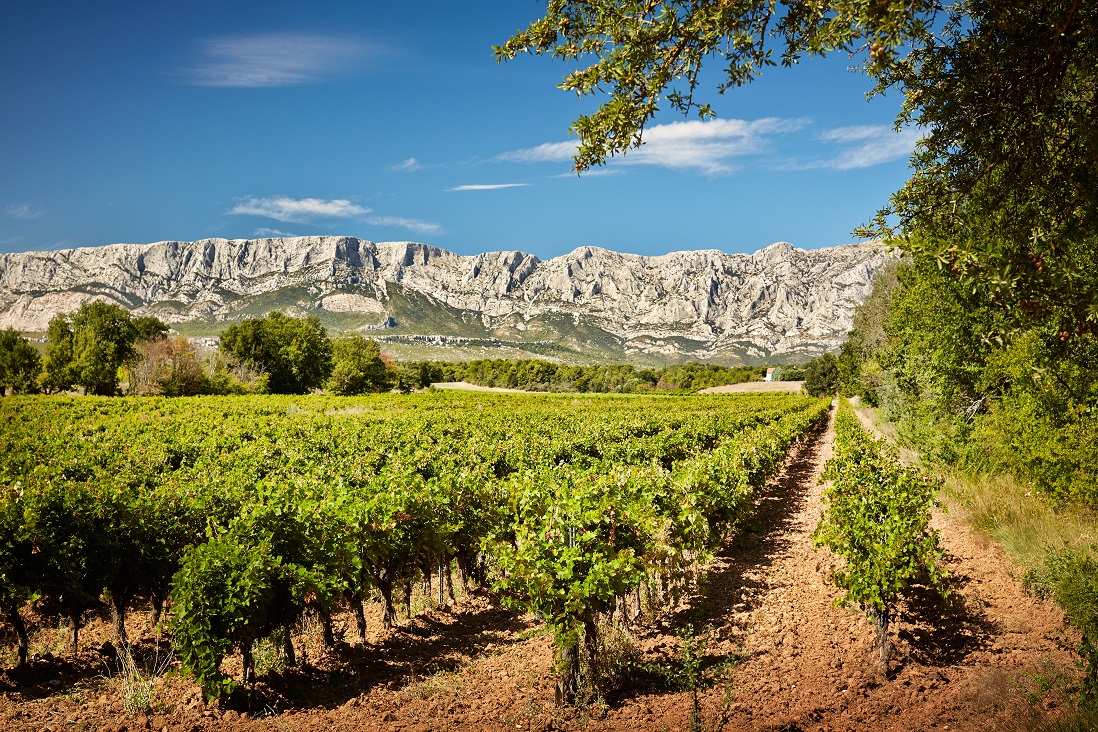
{"x": 87, "y": 347}
{"x": 20, "y": 364}
{"x": 821, "y": 376}
{"x": 58, "y": 372}
{"x": 295, "y": 353}
{"x": 168, "y": 367}
{"x": 429, "y": 373}
{"x": 789, "y": 373}
{"x": 405, "y": 377}
{"x": 149, "y": 328}
{"x": 357, "y": 367}
{"x": 859, "y": 371}
{"x": 229, "y": 375}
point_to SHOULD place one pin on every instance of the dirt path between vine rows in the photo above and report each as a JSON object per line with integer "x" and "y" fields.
{"x": 976, "y": 662}
{"x": 776, "y": 654}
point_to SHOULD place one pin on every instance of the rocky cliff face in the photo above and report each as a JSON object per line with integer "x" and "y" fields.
{"x": 699, "y": 304}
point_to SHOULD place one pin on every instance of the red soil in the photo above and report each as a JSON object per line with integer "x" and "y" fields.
{"x": 780, "y": 655}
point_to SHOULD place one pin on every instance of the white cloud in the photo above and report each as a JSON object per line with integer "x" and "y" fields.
{"x": 704, "y": 146}
{"x": 419, "y": 227}
{"x": 22, "y": 211}
{"x": 271, "y": 232}
{"x": 549, "y": 152}
{"x": 298, "y": 210}
{"x": 487, "y": 186}
{"x": 410, "y": 165}
{"x": 273, "y": 59}
{"x": 868, "y": 145}
{"x": 592, "y": 173}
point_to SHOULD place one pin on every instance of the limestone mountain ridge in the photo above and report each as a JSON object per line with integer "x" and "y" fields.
{"x": 703, "y": 304}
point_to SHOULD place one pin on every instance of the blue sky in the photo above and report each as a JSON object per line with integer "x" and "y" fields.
{"x": 141, "y": 122}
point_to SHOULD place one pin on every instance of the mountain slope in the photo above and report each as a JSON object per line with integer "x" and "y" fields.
{"x": 691, "y": 304}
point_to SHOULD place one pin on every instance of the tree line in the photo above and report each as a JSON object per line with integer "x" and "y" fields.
{"x": 541, "y": 375}
{"x": 104, "y": 350}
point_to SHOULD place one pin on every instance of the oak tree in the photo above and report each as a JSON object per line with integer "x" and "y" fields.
{"x": 20, "y": 363}
{"x": 1004, "y": 189}
{"x": 86, "y": 348}
{"x": 295, "y": 353}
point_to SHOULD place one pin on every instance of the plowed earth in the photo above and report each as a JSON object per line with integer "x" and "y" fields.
{"x": 775, "y": 653}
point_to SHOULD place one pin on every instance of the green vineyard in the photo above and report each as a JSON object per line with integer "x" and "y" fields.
{"x": 239, "y": 516}
{"x": 878, "y": 521}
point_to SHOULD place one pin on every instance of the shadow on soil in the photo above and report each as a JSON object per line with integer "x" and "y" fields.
{"x": 426, "y": 646}
{"x": 736, "y": 580}
{"x": 763, "y": 540}
{"x": 945, "y": 630}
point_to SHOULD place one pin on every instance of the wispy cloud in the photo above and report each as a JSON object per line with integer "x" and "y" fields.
{"x": 410, "y": 165}
{"x": 271, "y": 232}
{"x": 593, "y": 173}
{"x": 273, "y": 59}
{"x": 415, "y": 225}
{"x": 866, "y": 146}
{"x": 23, "y": 211}
{"x": 704, "y": 146}
{"x": 298, "y": 210}
{"x": 487, "y": 186}
{"x": 549, "y": 152}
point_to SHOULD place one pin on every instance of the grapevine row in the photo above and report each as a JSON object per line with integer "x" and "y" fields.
{"x": 242, "y": 514}
{"x": 878, "y": 521}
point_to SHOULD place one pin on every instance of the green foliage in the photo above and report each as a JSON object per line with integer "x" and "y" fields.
{"x": 821, "y": 376}
{"x": 19, "y": 568}
{"x": 1004, "y": 195}
{"x": 253, "y": 580}
{"x": 696, "y": 376}
{"x": 295, "y": 353}
{"x": 636, "y": 51}
{"x": 87, "y": 347}
{"x": 789, "y": 373}
{"x": 538, "y": 375}
{"x": 1041, "y": 426}
{"x": 58, "y": 372}
{"x": 64, "y": 525}
{"x": 222, "y": 596}
{"x": 167, "y": 367}
{"x": 20, "y": 364}
{"x": 878, "y": 521}
{"x": 357, "y": 367}
{"x": 229, "y": 375}
{"x": 149, "y": 328}
{"x": 933, "y": 362}
{"x": 1071, "y": 579}
{"x": 860, "y": 373}
{"x": 579, "y": 541}
{"x": 1023, "y": 404}
{"x": 252, "y": 510}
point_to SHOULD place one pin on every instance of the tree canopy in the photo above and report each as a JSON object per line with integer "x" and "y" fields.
{"x": 357, "y": 367}
{"x": 821, "y": 376}
{"x": 86, "y": 348}
{"x": 295, "y": 353}
{"x": 19, "y": 363}
{"x": 1004, "y": 189}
